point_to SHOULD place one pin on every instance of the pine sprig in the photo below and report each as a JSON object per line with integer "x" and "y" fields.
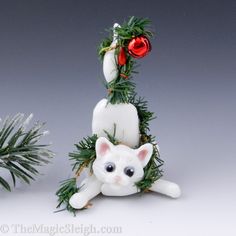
{"x": 20, "y": 152}
{"x": 67, "y": 189}
{"x": 152, "y": 170}
{"x": 111, "y": 137}
{"x": 145, "y": 116}
{"x": 122, "y": 88}
{"x": 132, "y": 28}
{"x": 119, "y": 90}
{"x": 104, "y": 46}
{"x": 84, "y": 155}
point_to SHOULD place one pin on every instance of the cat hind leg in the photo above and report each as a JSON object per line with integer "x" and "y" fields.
{"x": 166, "y": 187}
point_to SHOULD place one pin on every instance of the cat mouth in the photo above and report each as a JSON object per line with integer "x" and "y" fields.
{"x": 118, "y": 180}
{"x": 120, "y": 183}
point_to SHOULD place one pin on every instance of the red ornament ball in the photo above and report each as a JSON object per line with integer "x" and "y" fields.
{"x": 139, "y": 46}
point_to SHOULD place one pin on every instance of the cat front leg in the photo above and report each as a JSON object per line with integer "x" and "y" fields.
{"x": 89, "y": 189}
{"x": 167, "y": 188}
{"x": 115, "y": 190}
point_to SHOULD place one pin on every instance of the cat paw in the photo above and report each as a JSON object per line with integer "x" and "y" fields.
{"x": 167, "y": 188}
{"x": 78, "y": 201}
{"x": 174, "y": 191}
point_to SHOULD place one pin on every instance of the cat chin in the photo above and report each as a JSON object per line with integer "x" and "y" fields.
{"x": 117, "y": 185}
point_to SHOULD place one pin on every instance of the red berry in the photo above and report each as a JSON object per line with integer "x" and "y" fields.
{"x": 122, "y": 57}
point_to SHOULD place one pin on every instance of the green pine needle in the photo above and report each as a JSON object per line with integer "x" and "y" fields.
{"x": 145, "y": 116}
{"x": 152, "y": 171}
{"x": 82, "y": 157}
{"x": 132, "y": 28}
{"x": 104, "y": 45}
{"x": 67, "y": 189}
{"x": 85, "y": 153}
{"x": 121, "y": 89}
{"x": 20, "y": 151}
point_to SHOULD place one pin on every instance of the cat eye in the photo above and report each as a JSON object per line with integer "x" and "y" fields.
{"x": 110, "y": 167}
{"x": 129, "y": 171}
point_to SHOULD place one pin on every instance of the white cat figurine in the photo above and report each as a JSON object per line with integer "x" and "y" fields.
{"x": 116, "y": 169}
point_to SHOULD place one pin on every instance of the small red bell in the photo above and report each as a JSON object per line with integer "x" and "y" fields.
{"x": 139, "y": 46}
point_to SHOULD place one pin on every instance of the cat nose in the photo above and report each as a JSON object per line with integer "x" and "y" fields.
{"x": 117, "y": 178}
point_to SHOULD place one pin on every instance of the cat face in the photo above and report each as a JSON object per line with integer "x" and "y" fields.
{"x": 119, "y": 164}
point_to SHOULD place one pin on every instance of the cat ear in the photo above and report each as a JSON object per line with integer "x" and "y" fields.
{"x": 103, "y": 146}
{"x": 144, "y": 153}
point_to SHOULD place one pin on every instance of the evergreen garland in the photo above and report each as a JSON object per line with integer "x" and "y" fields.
{"x": 85, "y": 154}
{"x": 67, "y": 189}
{"x": 120, "y": 90}
{"x": 152, "y": 170}
{"x": 20, "y": 152}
